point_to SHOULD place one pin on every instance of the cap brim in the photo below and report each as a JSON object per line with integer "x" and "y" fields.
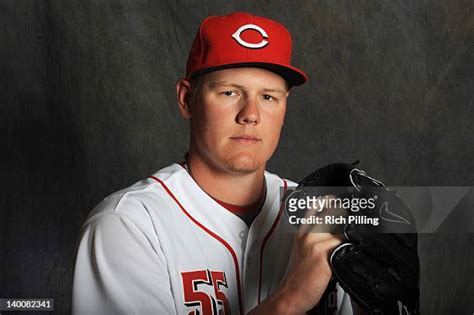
{"x": 292, "y": 75}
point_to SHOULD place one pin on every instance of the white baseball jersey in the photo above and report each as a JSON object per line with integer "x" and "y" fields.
{"x": 164, "y": 246}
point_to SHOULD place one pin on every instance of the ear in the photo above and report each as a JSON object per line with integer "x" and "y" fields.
{"x": 183, "y": 94}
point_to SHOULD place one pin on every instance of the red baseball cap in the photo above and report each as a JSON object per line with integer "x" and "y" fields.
{"x": 243, "y": 40}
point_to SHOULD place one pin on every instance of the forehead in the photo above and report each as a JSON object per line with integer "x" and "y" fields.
{"x": 246, "y": 77}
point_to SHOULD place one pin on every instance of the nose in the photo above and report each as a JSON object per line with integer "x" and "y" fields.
{"x": 249, "y": 113}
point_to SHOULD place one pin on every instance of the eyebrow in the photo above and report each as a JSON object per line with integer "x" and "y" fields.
{"x": 275, "y": 90}
{"x": 225, "y": 83}
{"x": 215, "y": 83}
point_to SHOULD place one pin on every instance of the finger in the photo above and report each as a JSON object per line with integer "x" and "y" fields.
{"x": 310, "y": 213}
{"x": 329, "y": 214}
{"x": 328, "y": 245}
{"x": 321, "y": 238}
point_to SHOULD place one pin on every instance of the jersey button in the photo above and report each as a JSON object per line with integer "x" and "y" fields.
{"x": 242, "y": 234}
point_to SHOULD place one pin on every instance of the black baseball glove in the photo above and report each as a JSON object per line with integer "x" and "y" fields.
{"x": 378, "y": 265}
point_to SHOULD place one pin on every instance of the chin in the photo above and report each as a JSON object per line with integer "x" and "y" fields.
{"x": 243, "y": 163}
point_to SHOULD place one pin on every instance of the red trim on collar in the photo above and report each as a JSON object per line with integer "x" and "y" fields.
{"x": 240, "y": 210}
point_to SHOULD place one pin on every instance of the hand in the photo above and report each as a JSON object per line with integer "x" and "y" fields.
{"x": 308, "y": 272}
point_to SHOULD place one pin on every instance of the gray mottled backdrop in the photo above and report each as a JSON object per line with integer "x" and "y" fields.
{"x": 87, "y": 106}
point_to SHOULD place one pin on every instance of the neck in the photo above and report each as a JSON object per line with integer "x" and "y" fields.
{"x": 239, "y": 189}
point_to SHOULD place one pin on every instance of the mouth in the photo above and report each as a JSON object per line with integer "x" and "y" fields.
{"x": 249, "y": 139}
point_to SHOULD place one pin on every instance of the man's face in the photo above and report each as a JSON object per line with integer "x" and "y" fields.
{"x": 236, "y": 118}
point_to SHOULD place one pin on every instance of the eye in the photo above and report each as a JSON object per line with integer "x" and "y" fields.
{"x": 267, "y": 97}
{"x": 229, "y": 93}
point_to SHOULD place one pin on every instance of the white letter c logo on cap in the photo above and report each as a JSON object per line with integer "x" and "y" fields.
{"x": 245, "y": 27}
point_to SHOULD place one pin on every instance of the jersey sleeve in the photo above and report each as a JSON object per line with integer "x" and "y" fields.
{"x": 120, "y": 269}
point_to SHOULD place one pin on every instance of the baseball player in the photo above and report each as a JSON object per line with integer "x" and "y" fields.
{"x": 207, "y": 236}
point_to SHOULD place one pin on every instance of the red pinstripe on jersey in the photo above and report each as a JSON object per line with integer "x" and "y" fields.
{"x": 285, "y": 185}
{"x": 214, "y": 235}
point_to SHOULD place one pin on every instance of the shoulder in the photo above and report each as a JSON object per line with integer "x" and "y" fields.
{"x": 132, "y": 203}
